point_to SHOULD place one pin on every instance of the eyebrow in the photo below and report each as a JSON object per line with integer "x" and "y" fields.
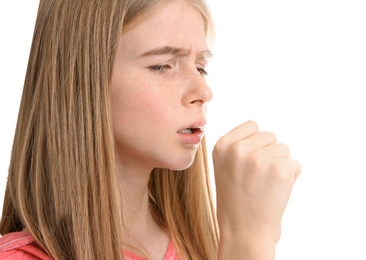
{"x": 170, "y": 50}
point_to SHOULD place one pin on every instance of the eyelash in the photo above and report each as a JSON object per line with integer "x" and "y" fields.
{"x": 162, "y": 68}
{"x": 202, "y": 71}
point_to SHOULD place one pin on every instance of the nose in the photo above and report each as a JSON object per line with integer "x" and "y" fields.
{"x": 199, "y": 93}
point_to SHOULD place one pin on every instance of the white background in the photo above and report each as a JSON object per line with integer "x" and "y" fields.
{"x": 298, "y": 68}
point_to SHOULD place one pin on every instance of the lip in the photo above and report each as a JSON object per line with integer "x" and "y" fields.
{"x": 192, "y": 134}
{"x": 198, "y": 125}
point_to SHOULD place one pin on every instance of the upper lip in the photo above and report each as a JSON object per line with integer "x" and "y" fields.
{"x": 198, "y": 125}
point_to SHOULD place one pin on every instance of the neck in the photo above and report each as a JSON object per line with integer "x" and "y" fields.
{"x": 134, "y": 183}
{"x": 140, "y": 225}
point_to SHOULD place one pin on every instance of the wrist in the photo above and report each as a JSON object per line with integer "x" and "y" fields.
{"x": 241, "y": 245}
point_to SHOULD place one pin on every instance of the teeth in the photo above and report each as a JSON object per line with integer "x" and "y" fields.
{"x": 186, "y": 131}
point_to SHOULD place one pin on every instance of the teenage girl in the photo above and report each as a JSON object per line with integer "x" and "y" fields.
{"x": 109, "y": 157}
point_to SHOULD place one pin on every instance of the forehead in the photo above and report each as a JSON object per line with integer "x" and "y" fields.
{"x": 173, "y": 24}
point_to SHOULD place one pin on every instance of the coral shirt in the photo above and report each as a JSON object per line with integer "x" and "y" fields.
{"x": 20, "y": 245}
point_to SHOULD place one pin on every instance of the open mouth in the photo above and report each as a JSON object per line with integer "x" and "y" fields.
{"x": 190, "y": 131}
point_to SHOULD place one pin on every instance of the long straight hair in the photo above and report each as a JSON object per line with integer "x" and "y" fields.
{"x": 62, "y": 180}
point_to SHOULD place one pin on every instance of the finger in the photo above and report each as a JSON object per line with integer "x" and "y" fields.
{"x": 242, "y": 131}
{"x": 292, "y": 168}
{"x": 261, "y": 139}
{"x": 276, "y": 150}
{"x": 296, "y": 168}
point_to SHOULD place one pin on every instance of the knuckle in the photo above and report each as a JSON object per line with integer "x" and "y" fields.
{"x": 284, "y": 148}
{"x": 237, "y": 150}
{"x": 283, "y": 170}
{"x": 257, "y": 160}
{"x": 297, "y": 168}
{"x": 253, "y": 126}
{"x": 270, "y": 137}
{"x": 220, "y": 145}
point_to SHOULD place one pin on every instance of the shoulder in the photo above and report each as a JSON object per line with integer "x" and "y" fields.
{"x": 20, "y": 245}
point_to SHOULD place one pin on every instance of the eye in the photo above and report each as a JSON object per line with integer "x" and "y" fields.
{"x": 202, "y": 71}
{"x": 160, "y": 68}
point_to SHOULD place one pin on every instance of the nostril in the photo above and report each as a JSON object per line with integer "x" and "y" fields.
{"x": 197, "y": 102}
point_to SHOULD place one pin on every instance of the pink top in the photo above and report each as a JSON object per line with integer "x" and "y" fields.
{"x": 20, "y": 245}
{"x": 170, "y": 254}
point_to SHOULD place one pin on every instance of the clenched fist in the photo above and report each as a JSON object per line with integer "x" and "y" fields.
{"x": 254, "y": 178}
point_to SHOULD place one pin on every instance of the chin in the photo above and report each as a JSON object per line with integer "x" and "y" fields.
{"x": 180, "y": 168}
{"x": 181, "y": 165}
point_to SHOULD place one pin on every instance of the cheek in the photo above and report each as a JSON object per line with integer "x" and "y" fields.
{"x": 128, "y": 93}
{"x": 141, "y": 100}
{"x": 133, "y": 104}
{"x": 130, "y": 107}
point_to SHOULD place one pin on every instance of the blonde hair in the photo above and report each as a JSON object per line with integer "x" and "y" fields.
{"x": 62, "y": 181}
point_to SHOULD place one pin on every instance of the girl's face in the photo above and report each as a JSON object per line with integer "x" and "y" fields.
{"x": 159, "y": 93}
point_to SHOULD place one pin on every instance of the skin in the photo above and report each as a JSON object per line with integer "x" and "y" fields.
{"x": 156, "y": 95}
{"x": 254, "y": 178}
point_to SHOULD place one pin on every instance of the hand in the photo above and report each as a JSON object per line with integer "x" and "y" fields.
{"x": 254, "y": 178}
